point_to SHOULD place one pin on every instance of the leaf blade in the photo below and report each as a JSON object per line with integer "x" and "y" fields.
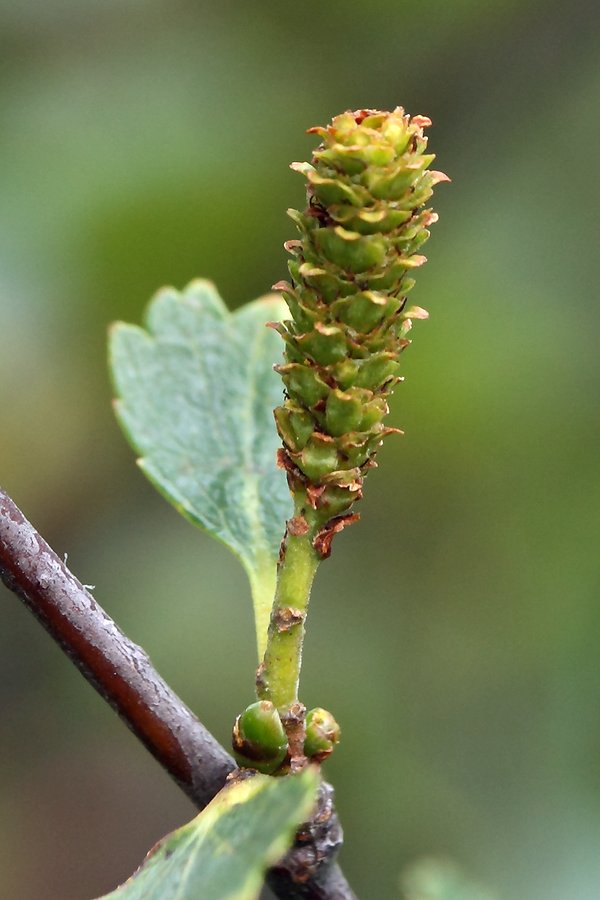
{"x": 195, "y": 392}
{"x": 224, "y": 852}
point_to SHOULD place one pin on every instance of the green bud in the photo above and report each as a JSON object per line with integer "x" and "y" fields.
{"x": 322, "y": 734}
{"x": 259, "y": 740}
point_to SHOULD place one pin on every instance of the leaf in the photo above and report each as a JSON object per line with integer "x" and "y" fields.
{"x": 439, "y": 879}
{"x": 196, "y": 391}
{"x": 224, "y": 852}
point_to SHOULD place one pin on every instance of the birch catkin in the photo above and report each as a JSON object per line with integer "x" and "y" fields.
{"x": 351, "y": 270}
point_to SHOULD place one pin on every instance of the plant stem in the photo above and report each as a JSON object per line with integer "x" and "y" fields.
{"x": 279, "y": 673}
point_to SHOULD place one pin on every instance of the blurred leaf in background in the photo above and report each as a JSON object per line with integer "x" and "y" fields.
{"x": 148, "y": 143}
{"x": 434, "y": 879}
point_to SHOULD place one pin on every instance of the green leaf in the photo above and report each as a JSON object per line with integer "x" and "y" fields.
{"x": 439, "y": 879}
{"x": 196, "y": 391}
{"x": 224, "y": 852}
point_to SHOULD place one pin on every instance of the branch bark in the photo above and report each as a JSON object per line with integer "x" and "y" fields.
{"x": 123, "y": 675}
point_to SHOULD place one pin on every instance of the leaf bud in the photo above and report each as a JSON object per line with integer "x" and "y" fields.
{"x": 259, "y": 740}
{"x": 322, "y": 734}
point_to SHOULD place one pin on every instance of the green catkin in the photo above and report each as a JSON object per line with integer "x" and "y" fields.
{"x": 361, "y": 236}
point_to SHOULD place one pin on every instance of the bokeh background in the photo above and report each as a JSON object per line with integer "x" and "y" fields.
{"x": 455, "y": 632}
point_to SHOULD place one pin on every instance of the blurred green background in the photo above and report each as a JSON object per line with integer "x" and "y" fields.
{"x": 145, "y": 142}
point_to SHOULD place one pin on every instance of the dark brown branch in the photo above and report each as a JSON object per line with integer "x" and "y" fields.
{"x": 120, "y": 671}
{"x": 123, "y": 675}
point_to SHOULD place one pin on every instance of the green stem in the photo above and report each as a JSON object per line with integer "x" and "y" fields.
{"x": 279, "y": 673}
